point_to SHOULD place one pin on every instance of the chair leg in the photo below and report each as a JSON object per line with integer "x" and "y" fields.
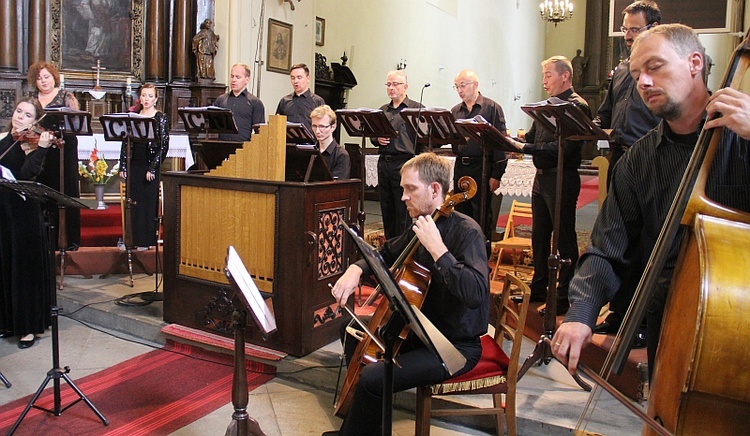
{"x": 423, "y": 411}
{"x": 500, "y": 416}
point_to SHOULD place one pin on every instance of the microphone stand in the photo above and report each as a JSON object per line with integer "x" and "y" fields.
{"x": 419, "y": 112}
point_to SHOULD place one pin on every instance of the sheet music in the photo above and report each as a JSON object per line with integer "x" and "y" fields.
{"x": 250, "y": 292}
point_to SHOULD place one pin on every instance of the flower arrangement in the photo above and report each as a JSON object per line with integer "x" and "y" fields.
{"x": 96, "y": 170}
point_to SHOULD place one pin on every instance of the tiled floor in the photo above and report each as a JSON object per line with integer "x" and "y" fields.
{"x": 299, "y": 400}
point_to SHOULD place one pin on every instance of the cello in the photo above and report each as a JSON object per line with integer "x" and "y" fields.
{"x": 699, "y": 382}
{"x": 414, "y": 280}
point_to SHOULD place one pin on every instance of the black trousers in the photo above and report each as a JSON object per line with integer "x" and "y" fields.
{"x": 543, "y": 210}
{"x": 472, "y": 207}
{"x": 395, "y": 216}
{"x": 417, "y": 366}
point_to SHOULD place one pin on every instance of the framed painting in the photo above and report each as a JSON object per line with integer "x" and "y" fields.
{"x": 85, "y": 31}
{"x": 279, "y": 56}
{"x": 320, "y": 31}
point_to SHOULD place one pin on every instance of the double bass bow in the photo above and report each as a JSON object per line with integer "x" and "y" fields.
{"x": 699, "y": 382}
{"x": 414, "y": 280}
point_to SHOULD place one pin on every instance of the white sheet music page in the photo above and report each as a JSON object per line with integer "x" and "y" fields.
{"x": 250, "y": 292}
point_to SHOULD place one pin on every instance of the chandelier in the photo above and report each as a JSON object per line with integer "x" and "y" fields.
{"x": 556, "y": 10}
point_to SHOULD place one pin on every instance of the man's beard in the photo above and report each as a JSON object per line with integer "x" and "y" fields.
{"x": 670, "y": 111}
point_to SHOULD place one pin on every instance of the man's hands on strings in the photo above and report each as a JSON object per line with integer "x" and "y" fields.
{"x": 734, "y": 107}
{"x": 570, "y": 338}
{"x": 429, "y": 236}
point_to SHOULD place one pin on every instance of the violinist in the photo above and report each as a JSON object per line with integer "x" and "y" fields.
{"x": 667, "y": 65}
{"x": 45, "y": 79}
{"x": 457, "y": 301}
{"x": 25, "y": 278}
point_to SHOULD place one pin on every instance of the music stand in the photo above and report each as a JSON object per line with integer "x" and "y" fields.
{"x": 304, "y": 162}
{"x": 127, "y": 127}
{"x": 45, "y": 195}
{"x": 206, "y": 120}
{"x": 65, "y": 120}
{"x": 404, "y": 314}
{"x": 365, "y": 123}
{"x": 568, "y": 122}
{"x": 432, "y": 126}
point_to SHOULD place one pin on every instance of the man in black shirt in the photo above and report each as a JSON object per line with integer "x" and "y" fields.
{"x": 666, "y": 63}
{"x": 457, "y": 302}
{"x": 246, "y": 108}
{"x": 624, "y": 112}
{"x": 323, "y": 124}
{"x": 542, "y": 144}
{"x": 298, "y": 105}
{"x": 469, "y": 156}
{"x": 393, "y": 153}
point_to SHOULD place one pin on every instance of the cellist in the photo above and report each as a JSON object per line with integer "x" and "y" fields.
{"x": 667, "y": 63}
{"x": 457, "y": 301}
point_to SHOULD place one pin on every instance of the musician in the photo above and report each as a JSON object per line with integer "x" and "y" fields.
{"x": 146, "y": 157}
{"x": 457, "y": 301}
{"x": 394, "y": 152}
{"x": 246, "y": 108}
{"x": 298, "y": 105}
{"x": 469, "y": 156}
{"x": 26, "y": 277}
{"x": 666, "y": 62}
{"x": 624, "y": 112}
{"x": 45, "y": 79}
{"x": 323, "y": 124}
{"x": 542, "y": 144}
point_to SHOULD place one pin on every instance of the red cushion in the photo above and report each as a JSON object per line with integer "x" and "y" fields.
{"x": 494, "y": 362}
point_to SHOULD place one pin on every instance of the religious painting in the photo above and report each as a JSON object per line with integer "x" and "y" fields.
{"x": 107, "y": 31}
{"x": 279, "y": 57}
{"x": 705, "y": 16}
{"x": 320, "y": 31}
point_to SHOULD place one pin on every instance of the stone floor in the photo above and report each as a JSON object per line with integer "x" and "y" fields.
{"x": 95, "y": 334}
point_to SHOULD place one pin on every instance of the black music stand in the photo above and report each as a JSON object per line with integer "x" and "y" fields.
{"x": 65, "y": 120}
{"x": 249, "y": 298}
{"x": 365, "y": 123}
{"x": 432, "y": 126}
{"x": 45, "y": 195}
{"x": 304, "y": 162}
{"x": 569, "y": 123}
{"x": 127, "y": 127}
{"x": 404, "y": 314}
{"x": 210, "y": 120}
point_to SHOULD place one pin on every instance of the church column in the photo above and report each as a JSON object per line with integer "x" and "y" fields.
{"x": 184, "y": 28}
{"x": 9, "y": 60}
{"x": 37, "y": 31}
{"x": 157, "y": 24}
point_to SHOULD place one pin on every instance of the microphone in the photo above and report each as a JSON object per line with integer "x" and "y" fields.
{"x": 419, "y": 112}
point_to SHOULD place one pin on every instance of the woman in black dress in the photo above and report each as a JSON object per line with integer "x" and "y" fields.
{"x": 44, "y": 77}
{"x": 26, "y": 279}
{"x": 145, "y": 163}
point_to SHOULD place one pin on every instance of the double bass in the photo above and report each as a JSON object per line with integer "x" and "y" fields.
{"x": 699, "y": 384}
{"x": 413, "y": 279}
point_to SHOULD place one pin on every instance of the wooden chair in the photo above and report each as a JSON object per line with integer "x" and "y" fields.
{"x": 495, "y": 374}
{"x": 510, "y": 241}
{"x": 602, "y": 164}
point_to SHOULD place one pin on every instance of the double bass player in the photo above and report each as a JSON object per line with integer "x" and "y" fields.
{"x": 667, "y": 64}
{"x": 457, "y": 301}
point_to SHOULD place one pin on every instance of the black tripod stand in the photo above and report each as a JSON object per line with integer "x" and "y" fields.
{"x": 43, "y": 194}
{"x": 568, "y": 122}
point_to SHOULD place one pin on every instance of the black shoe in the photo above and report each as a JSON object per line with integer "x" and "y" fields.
{"x": 610, "y": 325}
{"x": 6, "y": 334}
{"x": 26, "y": 344}
{"x": 640, "y": 339}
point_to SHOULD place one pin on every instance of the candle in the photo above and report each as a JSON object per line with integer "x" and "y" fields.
{"x": 128, "y": 81}
{"x": 62, "y": 79}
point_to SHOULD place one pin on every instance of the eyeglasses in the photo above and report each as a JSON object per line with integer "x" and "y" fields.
{"x": 393, "y": 84}
{"x": 636, "y": 30}
{"x": 462, "y": 85}
{"x": 321, "y": 126}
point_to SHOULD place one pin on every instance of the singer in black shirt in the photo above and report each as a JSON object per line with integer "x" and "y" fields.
{"x": 394, "y": 152}
{"x": 469, "y": 155}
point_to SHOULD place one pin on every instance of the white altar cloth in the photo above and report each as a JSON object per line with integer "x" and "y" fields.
{"x": 179, "y": 146}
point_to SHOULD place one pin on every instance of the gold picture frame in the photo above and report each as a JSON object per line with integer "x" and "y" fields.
{"x": 279, "y": 55}
{"x": 320, "y": 31}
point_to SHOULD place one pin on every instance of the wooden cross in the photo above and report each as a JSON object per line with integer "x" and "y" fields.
{"x": 98, "y": 69}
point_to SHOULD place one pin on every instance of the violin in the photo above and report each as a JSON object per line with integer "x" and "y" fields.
{"x": 31, "y": 134}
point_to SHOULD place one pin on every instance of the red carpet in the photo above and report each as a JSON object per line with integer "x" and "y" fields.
{"x": 155, "y": 393}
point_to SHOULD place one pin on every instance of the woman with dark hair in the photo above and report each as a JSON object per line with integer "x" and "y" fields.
{"x": 26, "y": 279}
{"x": 145, "y": 163}
{"x": 45, "y": 79}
